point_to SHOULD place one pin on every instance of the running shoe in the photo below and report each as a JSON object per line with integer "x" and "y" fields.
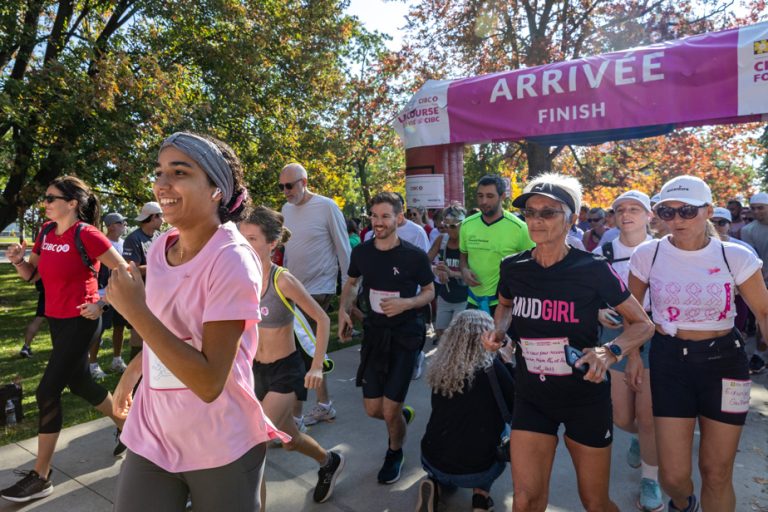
{"x": 31, "y": 487}
{"x": 409, "y": 413}
{"x": 97, "y": 373}
{"x": 326, "y": 477}
{"x": 693, "y": 505}
{"x": 481, "y": 503}
{"x": 390, "y": 470}
{"x": 419, "y": 369}
{"x": 119, "y": 447}
{"x": 756, "y": 364}
{"x": 320, "y": 413}
{"x": 118, "y": 365}
{"x": 26, "y": 351}
{"x": 633, "y": 454}
{"x": 427, "y": 501}
{"x": 650, "y": 496}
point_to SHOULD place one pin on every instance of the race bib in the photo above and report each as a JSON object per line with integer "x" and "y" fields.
{"x": 160, "y": 377}
{"x": 735, "y": 396}
{"x": 376, "y": 297}
{"x": 545, "y": 356}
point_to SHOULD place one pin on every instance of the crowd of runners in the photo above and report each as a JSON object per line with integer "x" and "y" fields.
{"x": 553, "y": 314}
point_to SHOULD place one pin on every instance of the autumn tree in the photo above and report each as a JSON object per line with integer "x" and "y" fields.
{"x": 472, "y": 37}
{"x": 91, "y": 88}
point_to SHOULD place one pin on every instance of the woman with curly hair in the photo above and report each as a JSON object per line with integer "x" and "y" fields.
{"x": 460, "y": 444}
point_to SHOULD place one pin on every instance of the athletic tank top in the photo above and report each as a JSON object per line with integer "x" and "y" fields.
{"x": 273, "y": 310}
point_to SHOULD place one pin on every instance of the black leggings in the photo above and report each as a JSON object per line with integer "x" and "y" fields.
{"x": 67, "y": 367}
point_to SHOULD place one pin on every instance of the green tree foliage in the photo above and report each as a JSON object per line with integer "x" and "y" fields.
{"x": 91, "y": 88}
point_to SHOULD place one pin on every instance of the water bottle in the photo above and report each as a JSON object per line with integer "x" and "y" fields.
{"x": 10, "y": 413}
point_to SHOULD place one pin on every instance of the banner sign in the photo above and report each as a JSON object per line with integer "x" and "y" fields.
{"x": 425, "y": 190}
{"x": 714, "y": 78}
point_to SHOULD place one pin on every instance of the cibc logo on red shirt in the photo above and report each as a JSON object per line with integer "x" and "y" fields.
{"x": 47, "y": 246}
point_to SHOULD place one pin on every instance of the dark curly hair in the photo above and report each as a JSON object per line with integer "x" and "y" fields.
{"x": 75, "y": 189}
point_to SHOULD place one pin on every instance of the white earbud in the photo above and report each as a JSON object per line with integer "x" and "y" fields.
{"x": 216, "y": 192}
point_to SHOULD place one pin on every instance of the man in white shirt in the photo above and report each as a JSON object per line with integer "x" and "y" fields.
{"x": 317, "y": 250}
{"x": 756, "y": 234}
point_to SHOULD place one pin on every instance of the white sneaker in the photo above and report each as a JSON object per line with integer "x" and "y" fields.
{"x": 418, "y": 370}
{"x": 320, "y": 413}
{"x": 118, "y": 365}
{"x": 96, "y": 372}
{"x": 300, "y": 424}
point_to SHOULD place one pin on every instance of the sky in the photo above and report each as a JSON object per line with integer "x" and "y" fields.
{"x": 385, "y": 17}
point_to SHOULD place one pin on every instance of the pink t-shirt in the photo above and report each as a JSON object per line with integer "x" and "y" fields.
{"x": 168, "y": 424}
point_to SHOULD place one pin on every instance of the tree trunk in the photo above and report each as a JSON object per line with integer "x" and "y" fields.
{"x": 539, "y": 159}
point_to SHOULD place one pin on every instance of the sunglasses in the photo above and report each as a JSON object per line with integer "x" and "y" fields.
{"x": 545, "y": 213}
{"x": 49, "y": 198}
{"x": 288, "y": 186}
{"x": 595, "y": 220}
{"x": 452, "y": 226}
{"x": 687, "y": 211}
{"x": 721, "y": 222}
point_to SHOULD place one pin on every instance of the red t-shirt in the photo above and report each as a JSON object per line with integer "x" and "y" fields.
{"x": 68, "y": 282}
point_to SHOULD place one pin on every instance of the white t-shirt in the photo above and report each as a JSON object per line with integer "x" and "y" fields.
{"x": 693, "y": 290}
{"x": 621, "y": 251}
{"x": 745, "y": 244}
{"x": 610, "y": 235}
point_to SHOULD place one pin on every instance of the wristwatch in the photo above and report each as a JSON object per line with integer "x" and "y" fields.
{"x": 615, "y": 350}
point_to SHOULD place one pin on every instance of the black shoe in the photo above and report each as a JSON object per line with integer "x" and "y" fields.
{"x": 693, "y": 505}
{"x": 408, "y": 413}
{"x": 390, "y": 470}
{"x": 481, "y": 503}
{"x": 25, "y": 352}
{"x": 756, "y": 364}
{"x": 120, "y": 447}
{"x": 31, "y": 487}
{"x": 428, "y": 499}
{"x": 326, "y": 477}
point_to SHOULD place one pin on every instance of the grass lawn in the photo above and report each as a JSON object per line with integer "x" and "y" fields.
{"x": 18, "y": 301}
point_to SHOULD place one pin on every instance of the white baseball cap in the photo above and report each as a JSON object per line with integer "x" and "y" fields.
{"x": 686, "y": 189}
{"x": 150, "y": 208}
{"x": 634, "y": 195}
{"x": 759, "y": 198}
{"x": 722, "y": 213}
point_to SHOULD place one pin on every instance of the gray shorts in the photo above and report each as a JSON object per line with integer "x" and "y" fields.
{"x": 143, "y": 486}
{"x": 446, "y": 311}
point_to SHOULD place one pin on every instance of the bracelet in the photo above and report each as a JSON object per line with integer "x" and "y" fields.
{"x": 21, "y": 261}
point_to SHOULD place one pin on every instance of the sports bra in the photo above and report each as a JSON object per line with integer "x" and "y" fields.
{"x": 273, "y": 310}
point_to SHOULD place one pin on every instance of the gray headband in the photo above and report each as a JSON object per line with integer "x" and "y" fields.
{"x": 208, "y": 156}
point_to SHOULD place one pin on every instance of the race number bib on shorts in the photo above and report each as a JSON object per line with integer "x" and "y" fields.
{"x": 160, "y": 377}
{"x": 545, "y": 356}
{"x": 376, "y": 296}
{"x": 735, "y": 396}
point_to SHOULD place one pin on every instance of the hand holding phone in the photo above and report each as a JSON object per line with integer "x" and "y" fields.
{"x": 572, "y": 355}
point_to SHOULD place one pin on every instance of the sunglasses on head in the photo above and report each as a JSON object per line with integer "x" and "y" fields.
{"x": 687, "y": 211}
{"x": 49, "y": 198}
{"x": 287, "y": 186}
{"x": 545, "y": 213}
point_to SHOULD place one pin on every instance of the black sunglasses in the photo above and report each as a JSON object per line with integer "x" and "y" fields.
{"x": 49, "y": 198}
{"x": 721, "y": 222}
{"x": 288, "y": 186}
{"x": 452, "y": 226}
{"x": 546, "y": 213}
{"x": 596, "y": 220}
{"x": 687, "y": 211}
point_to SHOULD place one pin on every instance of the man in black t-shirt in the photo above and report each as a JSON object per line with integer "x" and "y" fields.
{"x": 393, "y": 332}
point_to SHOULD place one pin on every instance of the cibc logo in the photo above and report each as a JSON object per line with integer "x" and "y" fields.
{"x": 760, "y": 52}
{"x": 55, "y": 247}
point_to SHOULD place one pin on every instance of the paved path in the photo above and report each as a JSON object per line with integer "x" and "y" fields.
{"x": 85, "y": 471}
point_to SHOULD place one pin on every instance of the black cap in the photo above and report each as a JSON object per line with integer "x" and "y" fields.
{"x": 548, "y": 190}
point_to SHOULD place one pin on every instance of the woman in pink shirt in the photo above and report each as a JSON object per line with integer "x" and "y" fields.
{"x": 194, "y": 426}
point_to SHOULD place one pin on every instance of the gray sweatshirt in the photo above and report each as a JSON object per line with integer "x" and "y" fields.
{"x": 319, "y": 244}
